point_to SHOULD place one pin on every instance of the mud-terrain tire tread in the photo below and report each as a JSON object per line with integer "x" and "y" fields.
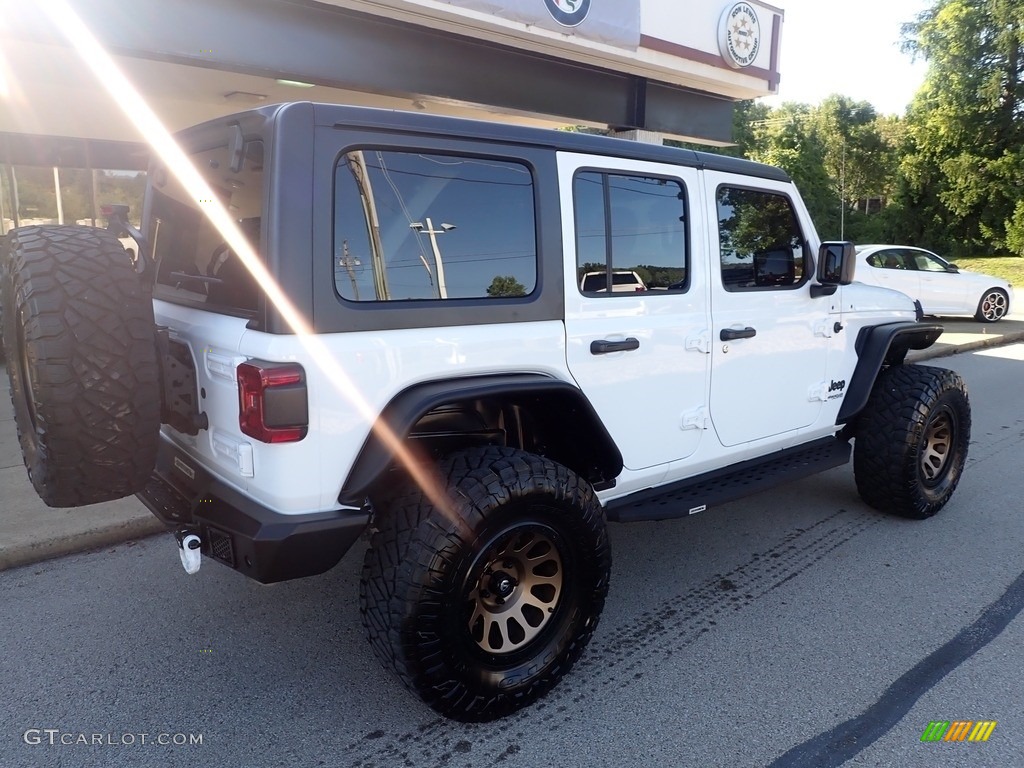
{"x": 72, "y": 296}
{"x": 401, "y": 586}
{"x": 889, "y": 435}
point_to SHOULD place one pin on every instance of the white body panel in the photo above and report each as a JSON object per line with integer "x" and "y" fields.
{"x": 682, "y": 404}
{"x": 307, "y": 476}
{"x": 760, "y": 385}
{"x": 643, "y": 395}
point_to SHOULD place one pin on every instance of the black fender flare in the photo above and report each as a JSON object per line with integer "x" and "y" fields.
{"x": 559, "y": 399}
{"x": 877, "y": 346}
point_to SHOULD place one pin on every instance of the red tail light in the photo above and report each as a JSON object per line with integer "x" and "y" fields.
{"x": 272, "y": 401}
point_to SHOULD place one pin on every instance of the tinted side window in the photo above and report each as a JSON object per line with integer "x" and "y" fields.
{"x": 925, "y": 262}
{"x": 889, "y": 259}
{"x": 421, "y": 226}
{"x": 760, "y": 241}
{"x": 631, "y": 229}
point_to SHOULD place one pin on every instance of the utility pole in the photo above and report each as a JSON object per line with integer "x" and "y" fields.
{"x": 442, "y": 288}
{"x": 842, "y": 195}
{"x": 357, "y": 165}
{"x": 56, "y": 191}
{"x": 12, "y": 188}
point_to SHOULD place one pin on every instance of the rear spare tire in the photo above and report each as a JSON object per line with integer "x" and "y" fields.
{"x": 80, "y": 339}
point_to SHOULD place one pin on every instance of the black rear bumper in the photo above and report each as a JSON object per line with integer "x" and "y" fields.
{"x": 265, "y": 545}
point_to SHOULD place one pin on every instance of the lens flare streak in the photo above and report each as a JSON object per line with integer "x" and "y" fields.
{"x": 159, "y": 138}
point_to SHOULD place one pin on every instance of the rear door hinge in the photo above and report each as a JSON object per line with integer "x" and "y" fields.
{"x": 699, "y": 342}
{"x": 695, "y": 419}
{"x": 819, "y": 392}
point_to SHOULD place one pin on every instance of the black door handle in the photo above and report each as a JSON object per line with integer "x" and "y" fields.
{"x": 728, "y": 334}
{"x": 603, "y": 346}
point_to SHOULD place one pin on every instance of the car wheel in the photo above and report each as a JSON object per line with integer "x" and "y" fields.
{"x": 993, "y": 306}
{"x": 911, "y": 440}
{"x": 80, "y": 339}
{"x": 481, "y": 606}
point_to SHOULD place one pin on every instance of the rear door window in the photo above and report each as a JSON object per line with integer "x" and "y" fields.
{"x": 632, "y": 229}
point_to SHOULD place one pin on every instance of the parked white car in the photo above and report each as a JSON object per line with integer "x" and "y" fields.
{"x": 623, "y": 281}
{"x": 941, "y": 287}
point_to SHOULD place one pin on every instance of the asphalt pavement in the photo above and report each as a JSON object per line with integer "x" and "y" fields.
{"x": 797, "y": 627}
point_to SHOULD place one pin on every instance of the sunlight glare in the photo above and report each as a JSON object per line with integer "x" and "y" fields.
{"x": 109, "y": 75}
{"x": 5, "y": 76}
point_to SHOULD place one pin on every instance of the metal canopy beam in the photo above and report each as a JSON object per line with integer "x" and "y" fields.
{"x": 331, "y": 46}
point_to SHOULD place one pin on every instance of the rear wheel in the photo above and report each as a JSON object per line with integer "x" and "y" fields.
{"x": 482, "y": 606}
{"x": 993, "y": 306}
{"x": 80, "y": 339}
{"x": 911, "y": 440}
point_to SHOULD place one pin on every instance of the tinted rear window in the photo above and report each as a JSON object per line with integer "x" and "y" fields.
{"x": 194, "y": 263}
{"x": 412, "y": 225}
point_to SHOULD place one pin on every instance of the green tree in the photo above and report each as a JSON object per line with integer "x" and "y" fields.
{"x": 965, "y": 171}
{"x": 787, "y": 138}
{"x": 506, "y": 285}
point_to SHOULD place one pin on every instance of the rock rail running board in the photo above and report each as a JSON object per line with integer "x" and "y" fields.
{"x": 697, "y": 494}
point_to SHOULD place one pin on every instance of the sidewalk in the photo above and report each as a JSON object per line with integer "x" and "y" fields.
{"x": 963, "y": 335}
{"x": 30, "y": 531}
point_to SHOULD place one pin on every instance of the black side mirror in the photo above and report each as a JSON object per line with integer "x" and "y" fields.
{"x": 836, "y": 261}
{"x": 952, "y": 268}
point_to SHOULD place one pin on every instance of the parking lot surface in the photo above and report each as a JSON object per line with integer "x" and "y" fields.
{"x": 795, "y": 628}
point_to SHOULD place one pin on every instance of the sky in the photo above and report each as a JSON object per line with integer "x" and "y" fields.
{"x": 852, "y": 49}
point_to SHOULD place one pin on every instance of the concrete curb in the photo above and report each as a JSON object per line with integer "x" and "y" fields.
{"x": 940, "y": 350}
{"x": 60, "y": 545}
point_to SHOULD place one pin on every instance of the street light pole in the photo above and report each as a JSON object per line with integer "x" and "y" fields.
{"x": 442, "y": 288}
{"x": 842, "y": 195}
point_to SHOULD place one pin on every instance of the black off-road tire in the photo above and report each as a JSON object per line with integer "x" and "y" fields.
{"x": 911, "y": 440}
{"x": 80, "y": 339}
{"x": 428, "y": 571}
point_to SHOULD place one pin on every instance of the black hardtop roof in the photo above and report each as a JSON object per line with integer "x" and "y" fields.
{"x": 570, "y": 141}
{"x": 335, "y": 115}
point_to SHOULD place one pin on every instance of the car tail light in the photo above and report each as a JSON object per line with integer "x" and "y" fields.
{"x": 272, "y": 401}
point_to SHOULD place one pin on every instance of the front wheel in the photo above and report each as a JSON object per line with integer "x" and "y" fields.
{"x": 993, "y": 306}
{"x": 481, "y": 604}
{"x": 911, "y": 440}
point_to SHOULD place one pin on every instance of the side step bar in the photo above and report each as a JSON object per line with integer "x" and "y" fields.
{"x": 696, "y": 494}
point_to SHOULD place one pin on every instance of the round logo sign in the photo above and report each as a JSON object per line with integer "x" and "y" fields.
{"x": 739, "y": 35}
{"x": 568, "y": 13}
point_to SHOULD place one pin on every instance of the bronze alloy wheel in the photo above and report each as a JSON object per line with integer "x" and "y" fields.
{"x": 515, "y": 590}
{"x": 936, "y": 448}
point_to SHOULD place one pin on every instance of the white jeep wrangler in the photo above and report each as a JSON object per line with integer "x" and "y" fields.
{"x": 417, "y": 359}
